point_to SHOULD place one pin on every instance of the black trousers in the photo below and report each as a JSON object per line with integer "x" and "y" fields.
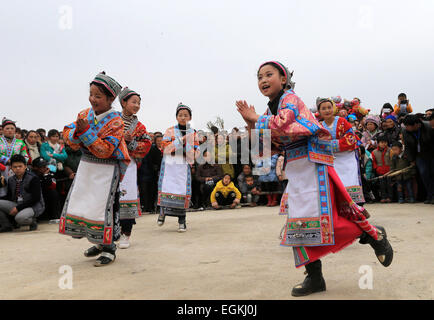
{"x": 225, "y": 201}
{"x": 148, "y": 191}
{"x": 205, "y": 192}
{"x": 52, "y": 205}
{"x": 127, "y": 226}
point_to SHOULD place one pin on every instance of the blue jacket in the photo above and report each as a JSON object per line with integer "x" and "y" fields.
{"x": 267, "y": 163}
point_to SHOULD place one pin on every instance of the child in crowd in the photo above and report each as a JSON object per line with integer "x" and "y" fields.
{"x": 92, "y": 207}
{"x": 404, "y": 181}
{"x": 403, "y": 106}
{"x": 225, "y": 193}
{"x": 250, "y": 191}
{"x": 180, "y": 147}
{"x": 371, "y": 132}
{"x": 381, "y": 161}
{"x": 138, "y": 144}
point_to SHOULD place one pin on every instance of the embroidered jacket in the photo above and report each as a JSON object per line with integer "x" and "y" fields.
{"x": 343, "y": 137}
{"x": 104, "y": 139}
{"x": 7, "y": 150}
{"x": 173, "y": 142}
{"x": 295, "y": 123}
{"x": 139, "y": 147}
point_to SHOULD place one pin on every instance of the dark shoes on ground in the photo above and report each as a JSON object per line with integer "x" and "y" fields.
{"x": 105, "y": 259}
{"x": 314, "y": 282}
{"x": 382, "y": 248}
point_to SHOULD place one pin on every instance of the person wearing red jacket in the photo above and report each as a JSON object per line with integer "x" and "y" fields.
{"x": 138, "y": 143}
{"x": 381, "y": 161}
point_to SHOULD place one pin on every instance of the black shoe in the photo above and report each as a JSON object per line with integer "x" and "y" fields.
{"x": 383, "y": 249}
{"x": 6, "y": 229}
{"x": 105, "y": 259}
{"x": 93, "y": 251}
{"x": 33, "y": 226}
{"x": 314, "y": 282}
{"x": 427, "y": 201}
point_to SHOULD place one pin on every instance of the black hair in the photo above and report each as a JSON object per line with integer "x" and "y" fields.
{"x": 18, "y": 158}
{"x": 431, "y": 109}
{"x": 382, "y": 137}
{"x": 281, "y": 72}
{"x": 248, "y": 176}
{"x": 214, "y": 129}
{"x": 411, "y": 119}
{"x": 31, "y": 131}
{"x": 227, "y": 174}
{"x": 402, "y": 95}
{"x": 397, "y": 144}
{"x": 430, "y": 118}
{"x": 103, "y": 89}
{"x": 52, "y": 133}
{"x": 362, "y": 149}
{"x": 40, "y": 130}
{"x": 387, "y": 105}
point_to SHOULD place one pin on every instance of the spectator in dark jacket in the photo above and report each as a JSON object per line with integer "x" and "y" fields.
{"x": 404, "y": 181}
{"x": 23, "y": 202}
{"x": 419, "y": 148}
{"x": 392, "y": 130}
{"x": 148, "y": 174}
{"x": 208, "y": 175}
{"x": 48, "y": 186}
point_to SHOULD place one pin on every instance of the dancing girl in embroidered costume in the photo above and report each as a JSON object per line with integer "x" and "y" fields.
{"x": 322, "y": 217}
{"x": 9, "y": 146}
{"x": 345, "y": 147}
{"x": 92, "y": 207}
{"x": 138, "y": 143}
{"x": 180, "y": 147}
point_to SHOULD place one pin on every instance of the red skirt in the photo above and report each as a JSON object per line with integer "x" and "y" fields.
{"x": 346, "y": 231}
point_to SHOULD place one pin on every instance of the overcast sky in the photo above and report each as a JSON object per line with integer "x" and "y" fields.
{"x": 206, "y": 54}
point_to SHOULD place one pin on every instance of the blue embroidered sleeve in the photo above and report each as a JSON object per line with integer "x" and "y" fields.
{"x": 335, "y": 145}
{"x": 262, "y": 122}
{"x": 88, "y": 137}
{"x": 72, "y": 133}
{"x": 4, "y": 159}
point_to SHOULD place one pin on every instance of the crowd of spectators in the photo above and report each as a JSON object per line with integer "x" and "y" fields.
{"x": 396, "y": 165}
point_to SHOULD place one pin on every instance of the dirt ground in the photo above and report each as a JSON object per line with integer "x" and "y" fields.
{"x": 228, "y": 254}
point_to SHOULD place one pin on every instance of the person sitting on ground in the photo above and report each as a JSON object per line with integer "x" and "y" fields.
{"x": 48, "y": 187}
{"x": 225, "y": 193}
{"x": 247, "y": 170}
{"x": 404, "y": 181}
{"x": 52, "y": 151}
{"x": 23, "y": 202}
{"x": 208, "y": 175}
{"x": 250, "y": 191}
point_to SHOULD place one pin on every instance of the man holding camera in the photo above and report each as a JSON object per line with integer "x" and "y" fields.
{"x": 403, "y": 106}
